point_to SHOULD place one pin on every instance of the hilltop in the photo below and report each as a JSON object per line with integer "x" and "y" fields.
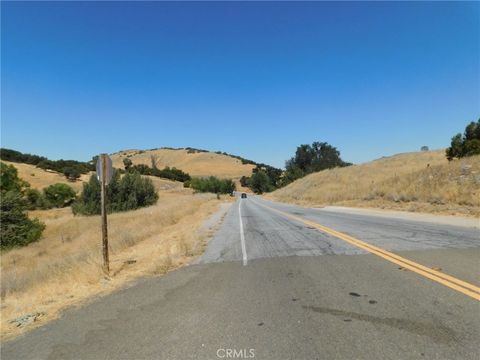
{"x": 416, "y": 181}
{"x": 197, "y": 163}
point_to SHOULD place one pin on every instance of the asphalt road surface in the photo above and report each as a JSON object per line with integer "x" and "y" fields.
{"x": 284, "y": 282}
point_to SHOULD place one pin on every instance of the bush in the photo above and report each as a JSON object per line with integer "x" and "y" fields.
{"x": 34, "y": 199}
{"x": 9, "y": 180}
{"x": 127, "y": 163}
{"x": 466, "y": 145}
{"x": 16, "y": 229}
{"x": 71, "y": 173}
{"x": 213, "y": 184}
{"x": 59, "y": 195}
{"x": 130, "y": 192}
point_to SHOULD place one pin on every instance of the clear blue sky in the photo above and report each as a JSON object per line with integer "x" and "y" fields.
{"x": 253, "y": 79}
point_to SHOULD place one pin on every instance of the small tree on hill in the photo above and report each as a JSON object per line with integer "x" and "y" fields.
{"x": 466, "y": 145}
{"x": 71, "y": 173}
{"x": 127, "y": 163}
{"x": 59, "y": 195}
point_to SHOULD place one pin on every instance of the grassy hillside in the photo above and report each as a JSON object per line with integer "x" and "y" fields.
{"x": 194, "y": 163}
{"x": 418, "y": 181}
{"x": 39, "y": 178}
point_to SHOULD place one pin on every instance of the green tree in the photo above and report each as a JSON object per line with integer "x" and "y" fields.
{"x": 127, "y": 163}
{"x": 59, "y": 195}
{"x": 466, "y": 145}
{"x": 71, "y": 173}
{"x": 260, "y": 182}
{"x": 16, "y": 229}
{"x": 129, "y": 192}
{"x": 9, "y": 180}
{"x": 213, "y": 184}
{"x": 312, "y": 158}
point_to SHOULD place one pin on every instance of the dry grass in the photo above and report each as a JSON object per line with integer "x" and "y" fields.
{"x": 39, "y": 178}
{"x": 196, "y": 164}
{"x": 64, "y": 267}
{"x": 422, "y": 181}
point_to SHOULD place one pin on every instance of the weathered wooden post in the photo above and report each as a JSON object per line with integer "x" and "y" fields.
{"x": 104, "y": 174}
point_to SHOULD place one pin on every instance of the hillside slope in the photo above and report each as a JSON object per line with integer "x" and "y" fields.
{"x": 418, "y": 181}
{"x": 39, "y": 178}
{"x": 194, "y": 163}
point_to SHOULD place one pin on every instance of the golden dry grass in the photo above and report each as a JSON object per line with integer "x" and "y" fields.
{"x": 39, "y": 178}
{"x": 64, "y": 267}
{"x": 420, "y": 181}
{"x": 196, "y": 164}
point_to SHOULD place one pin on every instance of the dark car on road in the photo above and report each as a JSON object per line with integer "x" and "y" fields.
{"x": 244, "y": 196}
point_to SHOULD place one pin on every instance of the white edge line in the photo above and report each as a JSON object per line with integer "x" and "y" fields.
{"x": 242, "y": 236}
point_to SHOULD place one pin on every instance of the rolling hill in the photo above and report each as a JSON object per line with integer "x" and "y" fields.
{"x": 417, "y": 181}
{"x": 195, "y": 162}
{"x": 39, "y": 178}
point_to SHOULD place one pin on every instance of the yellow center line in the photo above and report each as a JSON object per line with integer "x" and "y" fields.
{"x": 444, "y": 279}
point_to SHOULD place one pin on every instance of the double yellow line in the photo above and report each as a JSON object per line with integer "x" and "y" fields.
{"x": 444, "y": 279}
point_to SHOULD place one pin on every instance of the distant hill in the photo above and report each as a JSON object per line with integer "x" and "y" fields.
{"x": 417, "y": 181}
{"x": 193, "y": 161}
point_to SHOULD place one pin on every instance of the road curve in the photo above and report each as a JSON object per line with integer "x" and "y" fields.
{"x": 287, "y": 291}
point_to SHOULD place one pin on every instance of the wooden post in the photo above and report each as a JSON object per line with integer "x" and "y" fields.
{"x": 103, "y": 180}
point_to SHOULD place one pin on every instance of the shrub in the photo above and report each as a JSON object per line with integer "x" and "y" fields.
{"x": 59, "y": 195}
{"x": 213, "y": 184}
{"x": 129, "y": 192}
{"x": 9, "y": 180}
{"x": 16, "y": 229}
{"x": 34, "y": 199}
{"x": 127, "y": 163}
{"x": 71, "y": 173}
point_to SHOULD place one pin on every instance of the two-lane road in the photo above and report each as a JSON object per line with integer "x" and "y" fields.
{"x": 285, "y": 282}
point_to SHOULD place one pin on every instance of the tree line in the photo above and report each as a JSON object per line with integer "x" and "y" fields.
{"x": 166, "y": 173}
{"x": 72, "y": 169}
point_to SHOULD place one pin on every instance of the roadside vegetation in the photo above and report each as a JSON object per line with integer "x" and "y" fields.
{"x": 16, "y": 228}
{"x": 212, "y": 184}
{"x": 128, "y": 192}
{"x": 17, "y": 198}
